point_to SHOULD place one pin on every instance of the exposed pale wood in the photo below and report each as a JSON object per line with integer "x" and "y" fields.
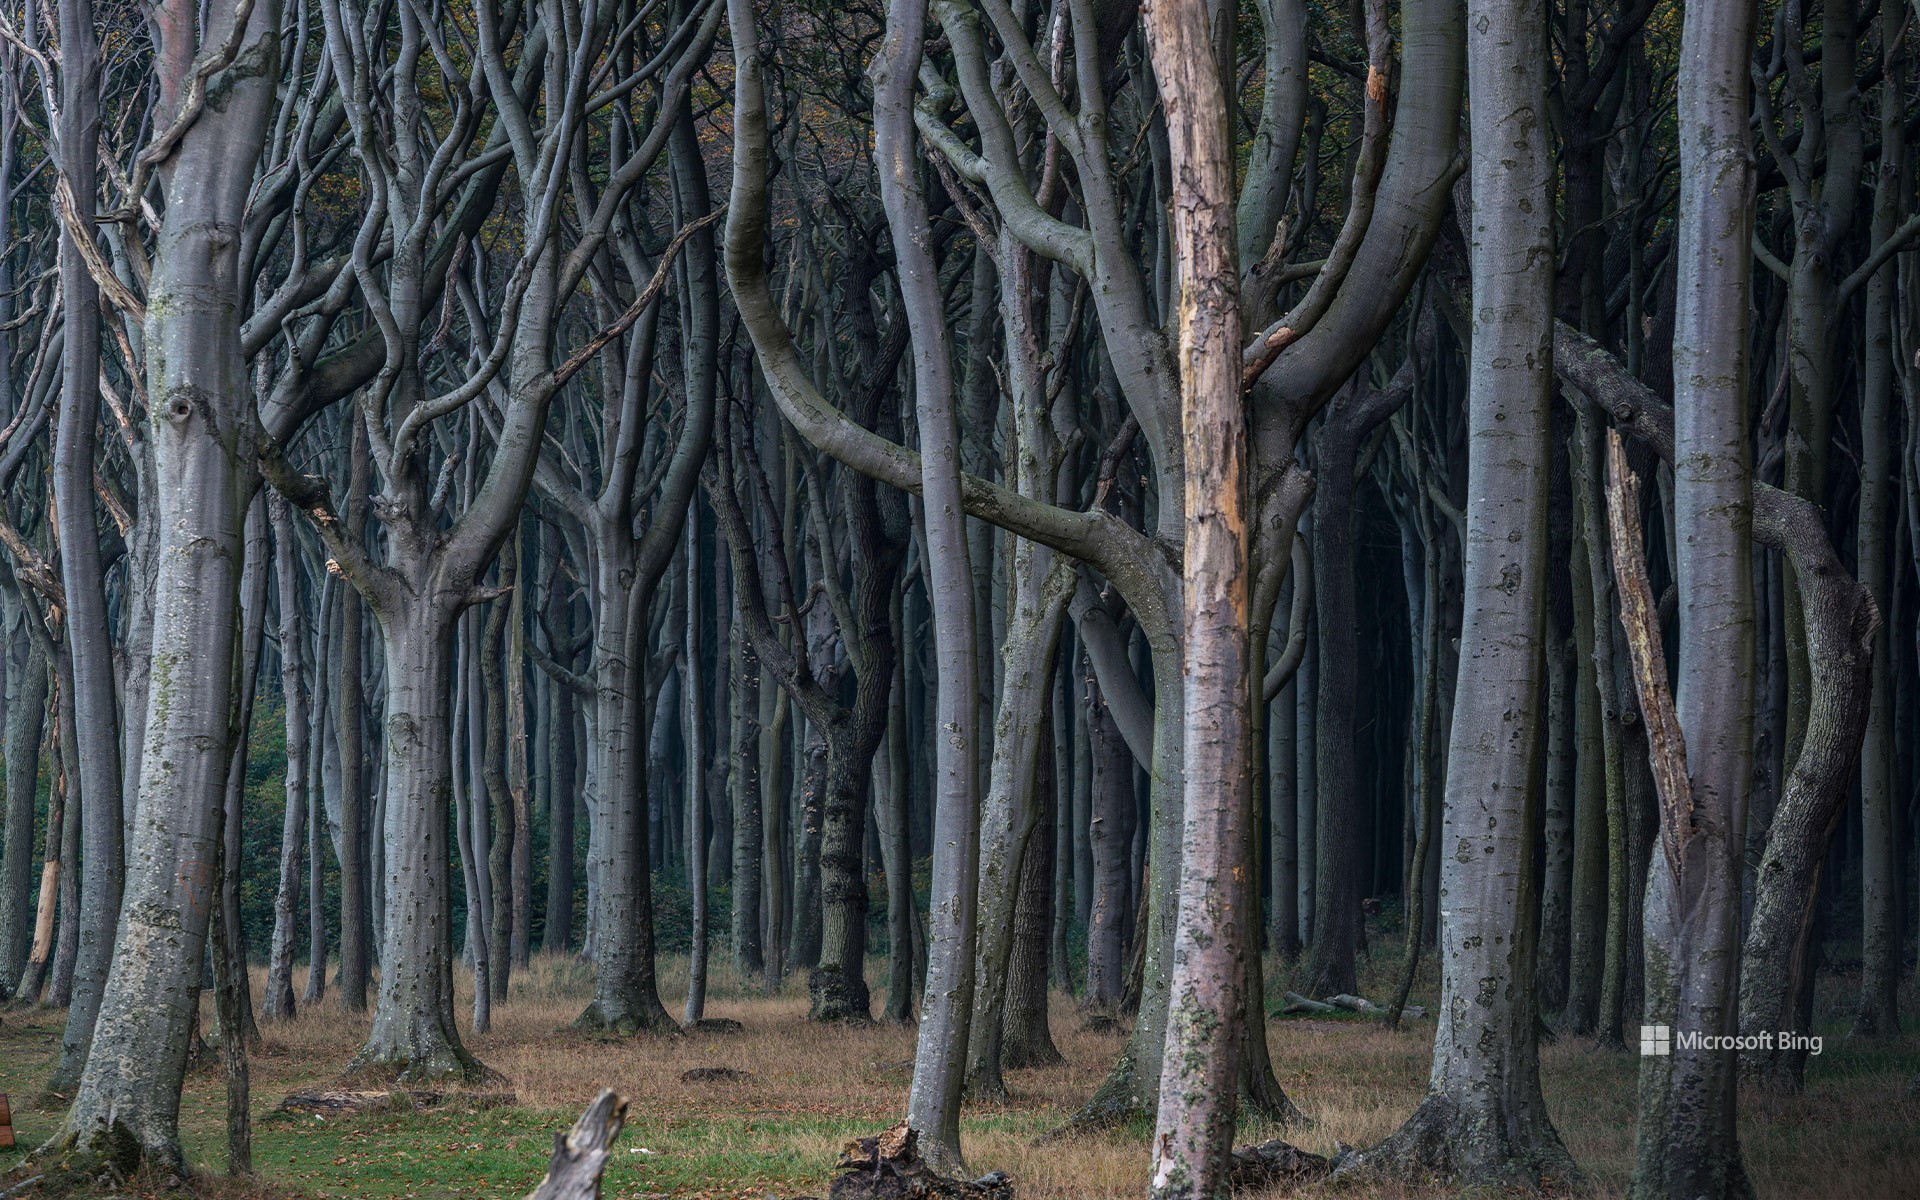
{"x": 1639, "y": 617}
{"x": 580, "y": 1154}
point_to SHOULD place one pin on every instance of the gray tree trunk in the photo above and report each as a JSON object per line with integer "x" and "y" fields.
{"x": 941, "y": 1053}
{"x": 1688, "y": 1143}
{"x": 129, "y": 1096}
{"x": 497, "y": 793}
{"x": 278, "y": 1004}
{"x": 319, "y": 752}
{"x": 891, "y": 815}
{"x": 1112, "y": 793}
{"x": 87, "y": 635}
{"x": 350, "y": 737}
{"x": 1484, "y": 1121}
{"x": 693, "y": 723}
{"x": 414, "y": 1035}
{"x": 1306, "y": 745}
{"x": 253, "y": 627}
{"x": 1283, "y": 916}
{"x": 1587, "y": 915}
{"x": 744, "y": 786}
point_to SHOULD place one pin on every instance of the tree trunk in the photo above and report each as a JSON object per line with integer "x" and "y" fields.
{"x": 414, "y": 1035}
{"x": 1587, "y": 915}
{"x": 1879, "y": 1012}
{"x": 557, "y": 936}
{"x": 518, "y": 787}
{"x": 1041, "y": 585}
{"x": 1688, "y": 1143}
{"x": 693, "y": 723}
{"x": 318, "y": 751}
{"x": 1112, "y": 790}
{"x": 626, "y": 996}
{"x": 253, "y": 623}
{"x": 278, "y": 1004}
{"x": 1484, "y": 1121}
{"x": 231, "y": 1009}
{"x": 1218, "y": 918}
{"x": 87, "y": 633}
{"x": 66, "y": 946}
{"x": 1026, "y": 1040}
{"x": 1283, "y": 920}
{"x": 804, "y": 941}
{"x": 941, "y": 1055}
{"x": 891, "y": 804}
{"x": 127, "y": 1107}
{"x": 26, "y": 714}
{"x": 1556, "y": 896}
{"x": 493, "y": 748}
{"x": 1306, "y": 745}
{"x": 40, "y": 949}
{"x": 356, "y": 885}
{"x": 837, "y": 988}
{"x": 744, "y": 791}
{"x": 470, "y": 805}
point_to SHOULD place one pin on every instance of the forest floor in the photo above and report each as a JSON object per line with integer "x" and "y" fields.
{"x": 1853, "y": 1133}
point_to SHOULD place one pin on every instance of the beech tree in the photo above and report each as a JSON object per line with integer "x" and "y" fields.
{"x": 1140, "y": 504}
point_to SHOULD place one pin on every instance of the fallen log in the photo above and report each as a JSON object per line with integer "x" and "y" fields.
{"x": 325, "y": 1102}
{"x": 1359, "y": 1004}
{"x": 1296, "y": 1003}
{"x": 1274, "y": 1162}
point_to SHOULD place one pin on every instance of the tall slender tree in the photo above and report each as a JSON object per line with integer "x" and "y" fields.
{"x": 1702, "y": 737}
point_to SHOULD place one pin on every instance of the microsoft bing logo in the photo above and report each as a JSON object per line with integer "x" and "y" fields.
{"x": 1656, "y": 1040}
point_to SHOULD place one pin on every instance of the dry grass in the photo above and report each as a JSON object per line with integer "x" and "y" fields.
{"x": 1852, "y": 1134}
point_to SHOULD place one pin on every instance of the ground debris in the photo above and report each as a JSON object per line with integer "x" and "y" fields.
{"x": 1297, "y": 1004}
{"x": 1274, "y": 1162}
{"x": 718, "y": 1025}
{"x": 325, "y": 1102}
{"x": 715, "y": 1075}
{"x": 887, "y": 1166}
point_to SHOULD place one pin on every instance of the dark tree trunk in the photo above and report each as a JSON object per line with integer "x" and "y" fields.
{"x": 1026, "y": 1038}
{"x": 350, "y": 736}
{"x": 26, "y": 715}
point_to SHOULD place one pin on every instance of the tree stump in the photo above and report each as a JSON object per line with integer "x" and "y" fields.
{"x": 580, "y": 1155}
{"x": 888, "y": 1167}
